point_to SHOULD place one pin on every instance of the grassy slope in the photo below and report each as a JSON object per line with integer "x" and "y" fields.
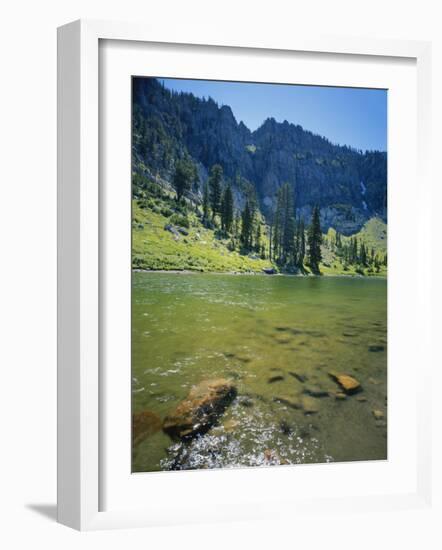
{"x": 373, "y": 234}
{"x": 155, "y": 248}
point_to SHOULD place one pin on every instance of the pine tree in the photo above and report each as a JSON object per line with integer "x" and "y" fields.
{"x": 227, "y": 210}
{"x": 288, "y": 244}
{"x": 363, "y": 255}
{"x": 276, "y": 231}
{"x": 284, "y": 226}
{"x": 377, "y": 264}
{"x": 247, "y": 227}
{"x": 258, "y": 237}
{"x": 215, "y": 179}
{"x": 301, "y": 244}
{"x": 206, "y": 203}
{"x": 184, "y": 176}
{"x": 314, "y": 241}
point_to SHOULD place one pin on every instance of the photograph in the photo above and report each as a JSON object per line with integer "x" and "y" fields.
{"x": 259, "y": 274}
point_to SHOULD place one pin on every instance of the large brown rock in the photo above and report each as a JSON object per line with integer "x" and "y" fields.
{"x": 200, "y": 410}
{"x": 144, "y": 424}
{"x": 348, "y": 383}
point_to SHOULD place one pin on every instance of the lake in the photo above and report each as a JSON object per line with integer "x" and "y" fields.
{"x": 277, "y": 338}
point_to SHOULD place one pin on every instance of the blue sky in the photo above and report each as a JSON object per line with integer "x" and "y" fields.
{"x": 346, "y": 116}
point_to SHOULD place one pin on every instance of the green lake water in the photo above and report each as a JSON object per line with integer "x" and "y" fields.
{"x": 187, "y": 328}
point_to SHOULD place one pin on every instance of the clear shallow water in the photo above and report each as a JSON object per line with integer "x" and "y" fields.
{"x": 187, "y": 328}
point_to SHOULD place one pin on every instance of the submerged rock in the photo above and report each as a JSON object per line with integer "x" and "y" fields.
{"x": 309, "y": 405}
{"x": 144, "y": 424}
{"x": 201, "y": 409}
{"x": 244, "y": 358}
{"x": 282, "y": 339}
{"x": 340, "y": 396}
{"x": 316, "y": 391}
{"x": 346, "y": 382}
{"x": 379, "y": 415}
{"x": 230, "y": 425}
{"x": 245, "y": 401}
{"x": 285, "y": 427}
{"x": 277, "y": 378}
{"x": 376, "y": 348}
{"x": 292, "y": 402}
{"x": 300, "y": 377}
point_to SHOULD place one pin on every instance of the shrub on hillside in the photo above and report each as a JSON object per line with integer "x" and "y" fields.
{"x": 182, "y": 221}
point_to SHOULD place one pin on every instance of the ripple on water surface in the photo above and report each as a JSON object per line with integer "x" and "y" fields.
{"x": 189, "y": 328}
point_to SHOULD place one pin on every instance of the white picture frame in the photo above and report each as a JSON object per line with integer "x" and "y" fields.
{"x": 80, "y": 438}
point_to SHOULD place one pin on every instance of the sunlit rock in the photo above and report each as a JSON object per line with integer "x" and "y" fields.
{"x": 201, "y": 409}
{"x": 346, "y": 382}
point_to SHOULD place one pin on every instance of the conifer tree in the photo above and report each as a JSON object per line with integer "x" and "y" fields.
{"x": 301, "y": 245}
{"x": 284, "y": 226}
{"x": 276, "y": 231}
{"x": 215, "y": 179}
{"x": 247, "y": 227}
{"x": 206, "y": 203}
{"x": 288, "y": 244}
{"x": 363, "y": 255}
{"x": 314, "y": 241}
{"x": 184, "y": 176}
{"x": 258, "y": 238}
{"x": 227, "y": 209}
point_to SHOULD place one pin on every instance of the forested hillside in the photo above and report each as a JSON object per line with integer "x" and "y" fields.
{"x": 209, "y": 194}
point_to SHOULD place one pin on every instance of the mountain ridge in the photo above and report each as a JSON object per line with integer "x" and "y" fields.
{"x": 348, "y": 185}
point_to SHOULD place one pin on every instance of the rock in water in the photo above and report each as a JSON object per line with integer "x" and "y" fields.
{"x": 273, "y": 379}
{"x": 292, "y": 402}
{"x": 348, "y": 383}
{"x": 376, "y": 348}
{"x": 144, "y": 424}
{"x": 300, "y": 377}
{"x": 316, "y": 391}
{"x": 309, "y": 405}
{"x": 200, "y": 410}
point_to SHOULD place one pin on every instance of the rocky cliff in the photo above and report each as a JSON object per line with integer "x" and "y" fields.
{"x": 350, "y": 186}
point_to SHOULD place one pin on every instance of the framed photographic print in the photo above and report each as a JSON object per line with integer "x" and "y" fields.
{"x": 234, "y": 237}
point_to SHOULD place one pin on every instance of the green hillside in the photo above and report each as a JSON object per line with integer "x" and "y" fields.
{"x": 163, "y": 238}
{"x": 154, "y": 247}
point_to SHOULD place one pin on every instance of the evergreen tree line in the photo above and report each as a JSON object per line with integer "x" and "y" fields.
{"x": 291, "y": 244}
{"x": 288, "y": 235}
{"x": 356, "y": 252}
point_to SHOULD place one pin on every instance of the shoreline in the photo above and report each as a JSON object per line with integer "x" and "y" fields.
{"x": 254, "y": 273}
